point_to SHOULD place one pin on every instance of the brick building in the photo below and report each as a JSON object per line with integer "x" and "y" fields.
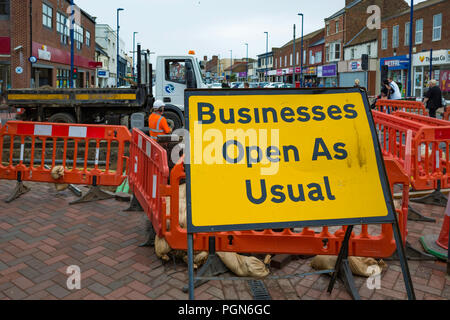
{"x": 351, "y": 21}
{"x": 41, "y": 29}
{"x": 283, "y": 64}
{"x": 431, "y": 31}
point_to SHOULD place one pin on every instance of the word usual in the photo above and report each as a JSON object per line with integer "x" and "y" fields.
{"x": 294, "y": 193}
{"x": 208, "y": 114}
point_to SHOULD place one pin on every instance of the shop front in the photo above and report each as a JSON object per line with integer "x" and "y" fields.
{"x": 327, "y": 75}
{"x": 397, "y": 70}
{"x": 439, "y": 64}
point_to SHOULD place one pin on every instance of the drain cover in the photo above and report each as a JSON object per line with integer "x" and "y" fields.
{"x": 259, "y": 290}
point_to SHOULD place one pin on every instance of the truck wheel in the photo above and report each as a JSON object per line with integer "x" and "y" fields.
{"x": 62, "y": 118}
{"x": 174, "y": 117}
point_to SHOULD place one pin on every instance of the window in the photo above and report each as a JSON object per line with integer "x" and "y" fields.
{"x": 327, "y": 53}
{"x": 311, "y": 57}
{"x": 78, "y": 36}
{"x": 318, "y": 57}
{"x": 62, "y": 78}
{"x": 176, "y": 71}
{"x": 395, "y": 31}
{"x": 88, "y": 38}
{"x": 337, "y": 26}
{"x": 280, "y": 63}
{"x": 4, "y": 7}
{"x": 352, "y": 53}
{"x": 369, "y": 50}
{"x": 290, "y": 59}
{"x": 407, "y": 27}
{"x": 384, "y": 38}
{"x": 419, "y": 31}
{"x": 328, "y": 29}
{"x": 47, "y": 16}
{"x": 62, "y": 28}
{"x": 337, "y": 51}
{"x": 437, "y": 27}
{"x": 298, "y": 61}
{"x": 304, "y": 56}
{"x": 285, "y": 61}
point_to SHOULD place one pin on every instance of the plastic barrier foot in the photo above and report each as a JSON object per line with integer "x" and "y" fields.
{"x": 19, "y": 190}
{"x": 94, "y": 194}
{"x": 149, "y": 233}
{"x": 213, "y": 267}
{"x": 412, "y": 254}
{"x": 436, "y": 198}
{"x": 415, "y": 215}
{"x": 134, "y": 205}
{"x": 429, "y": 244}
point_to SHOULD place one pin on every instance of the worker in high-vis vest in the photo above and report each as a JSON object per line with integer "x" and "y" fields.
{"x": 156, "y": 122}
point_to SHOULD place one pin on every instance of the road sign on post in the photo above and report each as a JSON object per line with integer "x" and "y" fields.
{"x": 284, "y": 159}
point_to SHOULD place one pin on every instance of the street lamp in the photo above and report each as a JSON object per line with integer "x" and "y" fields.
{"x": 118, "y": 44}
{"x": 246, "y": 68}
{"x": 231, "y": 64}
{"x": 72, "y": 48}
{"x": 301, "y": 55}
{"x": 134, "y": 41}
{"x": 267, "y": 53}
{"x": 409, "y": 91}
{"x": 295, "y": 62}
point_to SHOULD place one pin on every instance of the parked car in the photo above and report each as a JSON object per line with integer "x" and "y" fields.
{"x": 216, "y": 85}
{"x": 235, "y": 85}
{"x": 262, "y": 84}
{"x": 274, "y": 85}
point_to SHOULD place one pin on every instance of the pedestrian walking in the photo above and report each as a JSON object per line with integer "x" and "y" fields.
{"x": 394, "y": 90}
{"x": 433, "y": 98}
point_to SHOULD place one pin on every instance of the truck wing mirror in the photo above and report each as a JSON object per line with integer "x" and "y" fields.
{"x": 190, "y": 77}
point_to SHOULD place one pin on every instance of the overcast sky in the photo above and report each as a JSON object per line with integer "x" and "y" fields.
{"x": 211, "y": 27}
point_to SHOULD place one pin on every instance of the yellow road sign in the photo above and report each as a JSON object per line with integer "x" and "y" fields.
{"x": 279, "y": 158}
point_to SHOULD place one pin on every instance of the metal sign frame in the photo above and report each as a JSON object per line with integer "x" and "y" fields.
{"x": 342, "y": 266}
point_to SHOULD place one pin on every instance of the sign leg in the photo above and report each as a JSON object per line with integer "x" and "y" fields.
{"x": 191, "y": 265}
{"x": 403, "y": 262}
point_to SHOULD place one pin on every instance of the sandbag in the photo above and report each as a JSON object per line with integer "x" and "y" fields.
{"x": 57, "y": 173}
{"x": 244, "y": 266}
{"x": 162, "y": 248}
{"x": 358, "y": 265}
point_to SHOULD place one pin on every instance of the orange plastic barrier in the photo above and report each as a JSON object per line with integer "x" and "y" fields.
{"x": 447, "y": 114}
{"x": 422, "y": 119}
{"x": 429, "y": 157}
{"x": 148, "y": 170}
{"x": 287, "y": 241}
{"x": 25, "y": 136}
{"x": 390, "y": 106}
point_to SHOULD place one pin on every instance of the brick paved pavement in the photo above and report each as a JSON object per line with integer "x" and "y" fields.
{"x": 41, "y": 235}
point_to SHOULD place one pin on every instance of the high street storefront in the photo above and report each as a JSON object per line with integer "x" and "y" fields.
{"x": 327, "y": 75}
{"x": 440, "y": 71}
{"x": 351, "y": 70}
{"x": 397, "y": 70}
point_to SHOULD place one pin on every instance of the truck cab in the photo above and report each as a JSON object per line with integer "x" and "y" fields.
{"x": 174, "y": 74}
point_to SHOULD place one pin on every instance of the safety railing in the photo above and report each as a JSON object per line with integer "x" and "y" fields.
{"x": 91, "y": 155}
{"x": 426, "y": 157}
{"x": 390, "y": 106}
{"x": 148, "y": 170}
{"x": 287, "y": 241}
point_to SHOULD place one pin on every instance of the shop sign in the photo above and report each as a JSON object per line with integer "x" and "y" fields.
{"x": 354, "y": 66}
{"x": 439, "y": 57}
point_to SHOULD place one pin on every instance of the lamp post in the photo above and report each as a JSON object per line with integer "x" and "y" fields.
{"x": 231, "y": 64}
{"x": 301, "y": 55}
{"x": 267, "y": 53}
{"x": 409, "y": 91}
{"x": 246, "y": 69}
{"x": 118, "y": 45}
{"x": 295, "y": 62}
{"x": 72, "y": 48}
{"x": 134, "y": 41}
